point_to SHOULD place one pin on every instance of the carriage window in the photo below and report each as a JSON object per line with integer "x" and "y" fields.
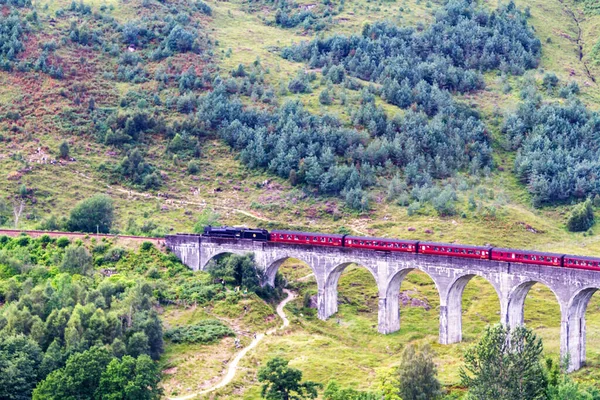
{"x": 330, "y": 240}
{"x": 463, "y": 251}
{"x": 456, "y": 250}
{"x": 469, "y": 251}
{"x": 435, "y": 248}
{"x": 478, "y": 252}
{"x": 362, "y": 243}
{"x": 296, "y": 237}
{"x": 526, "y": 257}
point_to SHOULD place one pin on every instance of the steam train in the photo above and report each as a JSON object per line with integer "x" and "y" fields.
{"x": 407, "y": 246}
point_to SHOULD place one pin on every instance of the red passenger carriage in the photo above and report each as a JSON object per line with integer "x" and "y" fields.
{"x": 317, "y": 239}
{"x": 579, "y": 262}
{"x": 454, "y": 250}
{"x": 527, "y": 257}
{"x": 382, "y": 244}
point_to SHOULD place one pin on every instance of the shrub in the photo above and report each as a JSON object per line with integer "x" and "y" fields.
{"x": 581, "y": 217}
{"x": 63, "y": 242}
{"x": 207, "y": 331}
{"x": 93, "y": 214}
{"x": 114, "y": 254}
{"x": 550, "y": 81}
{"x": 22, "y": 241}
{"x": 146, "y": 246}
{"x": 203, "y": 7}
{"x": 300, "y": 83}
{"x": 64, "y": 150}
{"x": 444, "y": 203}
{"x": 325, "y": 97}
{"x": 77, "y": 260}
{"x": 193, "y": 167}
{"x": 45, "y": 239}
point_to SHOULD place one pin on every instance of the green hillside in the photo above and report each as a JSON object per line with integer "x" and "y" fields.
{"x": 418, "y": 119}
{"x": 163, "y": 149}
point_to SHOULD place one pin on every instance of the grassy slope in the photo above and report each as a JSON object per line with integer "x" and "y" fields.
{"x": 348, "y": 348}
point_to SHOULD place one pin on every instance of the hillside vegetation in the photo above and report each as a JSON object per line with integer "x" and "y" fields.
{"x": 465, "y": 121}
{"x": 141, "y": 100}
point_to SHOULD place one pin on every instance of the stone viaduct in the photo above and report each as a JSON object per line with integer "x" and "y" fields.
{"x": 573, "y": 288}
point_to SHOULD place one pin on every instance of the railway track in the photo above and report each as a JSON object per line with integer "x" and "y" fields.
{"x": 37, "y": 233}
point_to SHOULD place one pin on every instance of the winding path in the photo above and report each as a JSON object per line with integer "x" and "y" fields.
{"x": 233, "y": 366}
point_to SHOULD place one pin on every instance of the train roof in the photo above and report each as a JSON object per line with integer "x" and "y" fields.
{"x": 520, "y": 251}
{"x": 582, "y": 257}
{"x": 466, "y": 246}
{"x": 333, "y": 235}
{"x": 382, "y": 239}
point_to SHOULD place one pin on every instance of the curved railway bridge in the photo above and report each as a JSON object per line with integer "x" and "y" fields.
{"x": 573, "y": 288}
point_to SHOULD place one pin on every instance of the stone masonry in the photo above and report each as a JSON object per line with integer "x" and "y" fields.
{"x": 573, "y": 288}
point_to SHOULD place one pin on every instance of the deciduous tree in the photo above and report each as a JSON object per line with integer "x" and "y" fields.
{"x": 130, "y": 379}
{"x": 505, "y": 365}
{"x": 284, "y": 383}
{"x": 417, "y": 375}
{"x": 93, "y": 214}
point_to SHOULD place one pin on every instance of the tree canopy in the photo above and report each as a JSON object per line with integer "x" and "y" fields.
{"x": 93, "y": 214}
{"x": 417, "y": 375}
{"x": 505, "y": 365}
{"x": 282, "y": 382}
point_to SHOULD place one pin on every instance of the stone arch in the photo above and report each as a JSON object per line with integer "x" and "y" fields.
{"x": 451, "y": 309}
{"x": 515, "y": 309}
{"x": 389, "y": 307}
{"x": 328, "y": 294}
{"x": 220, "y": 253}
{"x": 272, "y": 266}
{"x": 573, "y": 341}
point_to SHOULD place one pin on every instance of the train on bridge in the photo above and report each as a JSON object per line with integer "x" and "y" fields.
{"x": 407, "y": 246}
